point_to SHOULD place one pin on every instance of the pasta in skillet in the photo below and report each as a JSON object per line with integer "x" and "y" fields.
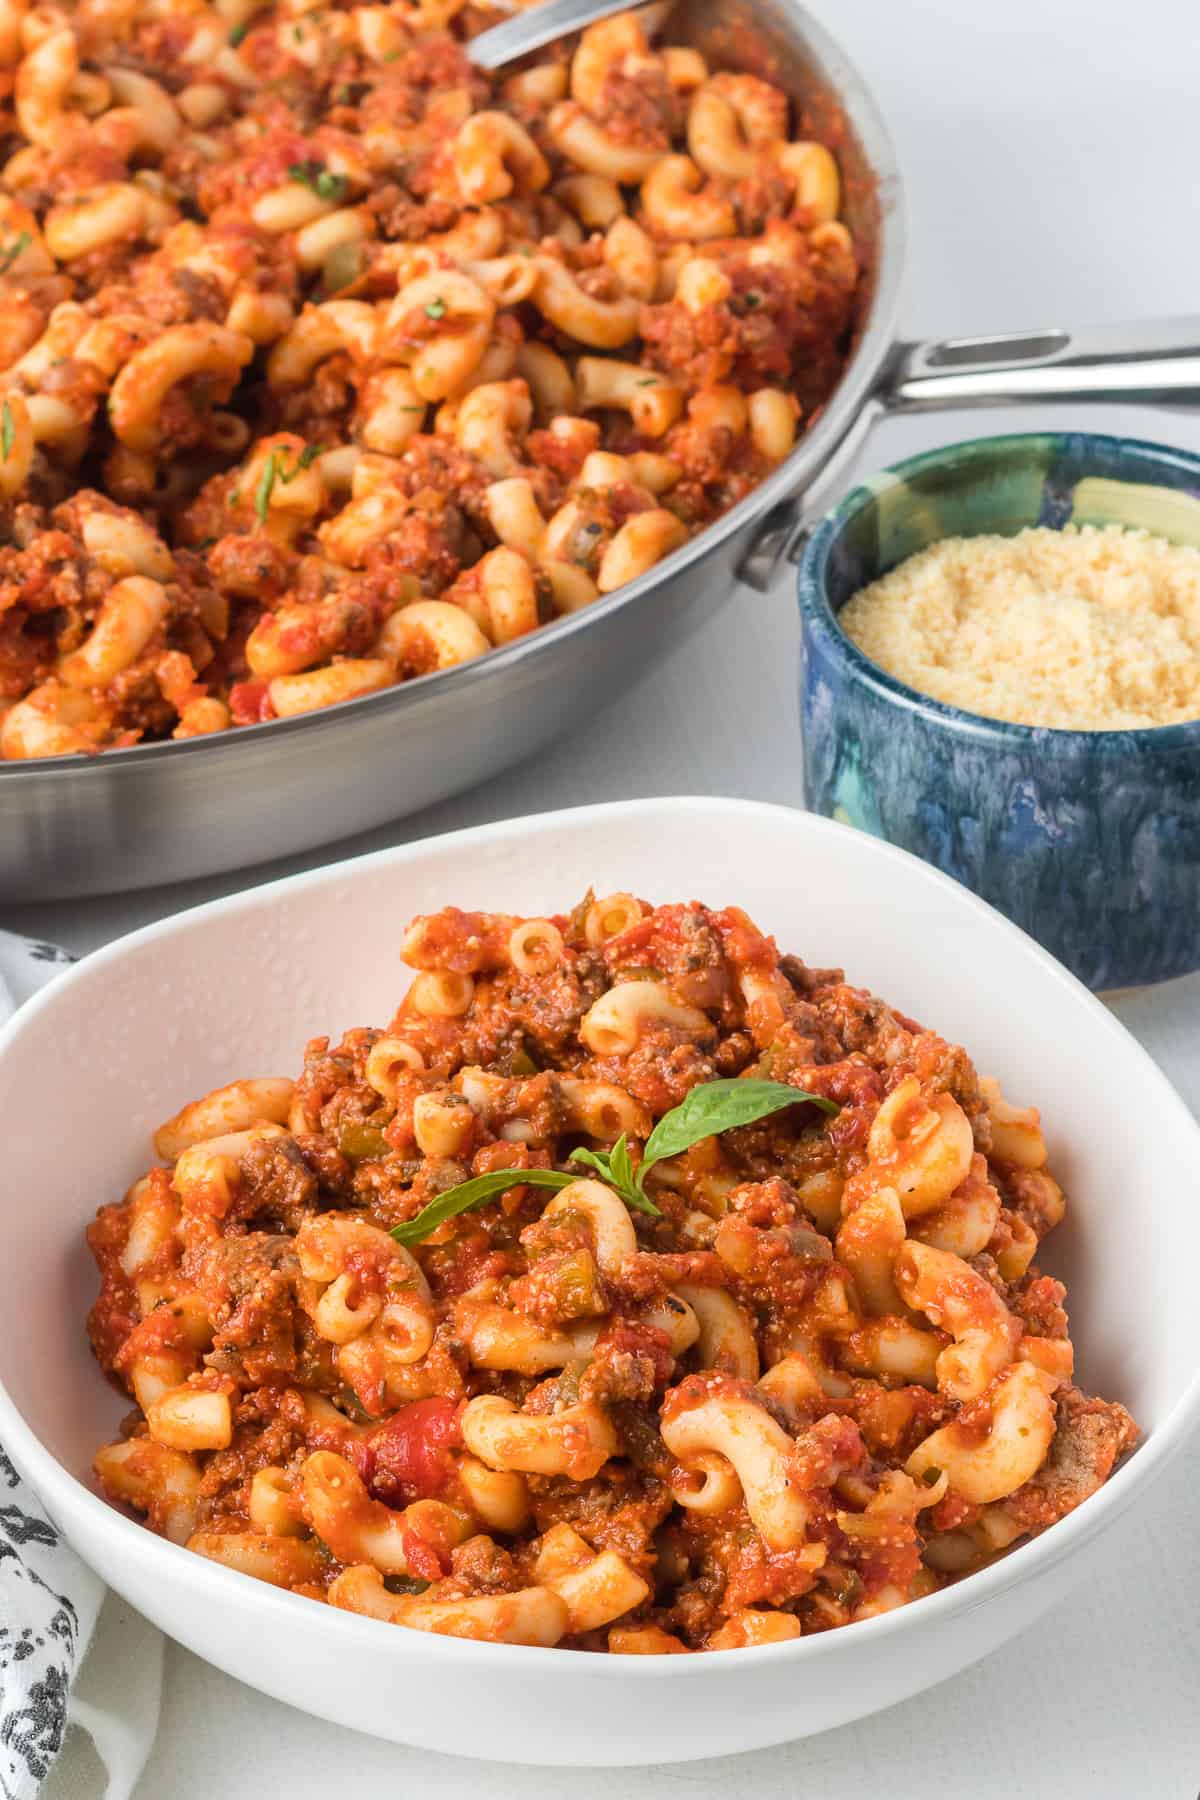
{"x": 327, "y": 362}
{"x": 636, "y": 1289}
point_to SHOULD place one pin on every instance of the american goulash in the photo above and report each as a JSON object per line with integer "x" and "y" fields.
{"x": 327, "y": 361}
{"x": 637, "y": 1288}
{"x": 1088, "y": 630}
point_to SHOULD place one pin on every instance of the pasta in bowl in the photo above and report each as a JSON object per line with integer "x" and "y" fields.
{"x": 327, "y": 363}
{"x": 637, "y": 1288}
{"x": 238, "y": 986}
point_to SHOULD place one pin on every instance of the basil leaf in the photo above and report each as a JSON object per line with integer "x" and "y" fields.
{"x": 469, "y": 1195}
{"x": 712, "y": 1107}
{"x": 717, "y": 1106}
{"x": 595, "y": 1159}
{"x": 629, "y": 1189}
{"x": 620, "y": 1163}
{"x": 641, "y": 1202}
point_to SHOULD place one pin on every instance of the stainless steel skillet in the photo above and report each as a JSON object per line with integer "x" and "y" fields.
{"x": 168, "y": 812}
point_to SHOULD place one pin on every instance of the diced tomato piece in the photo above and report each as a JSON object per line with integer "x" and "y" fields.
{"x": 250, "y": 702}
{"x": 410, "y": 1451}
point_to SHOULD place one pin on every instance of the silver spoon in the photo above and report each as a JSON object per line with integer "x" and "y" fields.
{"x": 538, "y": 25}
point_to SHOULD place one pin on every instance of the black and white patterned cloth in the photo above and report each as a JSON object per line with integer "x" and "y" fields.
{"x": 49, "y": 1600}
{"x": 49, "y": 1603}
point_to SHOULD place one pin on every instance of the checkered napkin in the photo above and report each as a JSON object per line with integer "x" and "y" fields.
{"x": 50, "y": 1602}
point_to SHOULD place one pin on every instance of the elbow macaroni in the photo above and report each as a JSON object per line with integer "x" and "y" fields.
{"x": 337, "y": 370}
{"x": 822, "y": 1378}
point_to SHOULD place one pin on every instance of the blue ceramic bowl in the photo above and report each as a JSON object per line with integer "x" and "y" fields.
{"x": 1090, "y": 840}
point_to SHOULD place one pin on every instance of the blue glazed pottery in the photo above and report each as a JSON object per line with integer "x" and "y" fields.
{"x": 1089, "y": 840}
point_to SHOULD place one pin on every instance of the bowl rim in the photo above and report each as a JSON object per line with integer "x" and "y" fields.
{"x": 821, "y": 621}
{"x": 125, "y": 1538}
{"x": 870, "y": 340}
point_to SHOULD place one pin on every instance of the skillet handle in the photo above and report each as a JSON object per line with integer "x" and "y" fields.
{"x": 1155, "y": 362}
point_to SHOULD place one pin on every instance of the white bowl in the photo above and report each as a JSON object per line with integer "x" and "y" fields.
{"x": 236, "y": 987}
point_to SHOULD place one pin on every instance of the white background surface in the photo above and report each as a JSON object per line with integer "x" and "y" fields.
{"x": 1050, "y": 149}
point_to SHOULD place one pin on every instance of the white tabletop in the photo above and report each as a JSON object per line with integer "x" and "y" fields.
{"x": 1050, "y": 148}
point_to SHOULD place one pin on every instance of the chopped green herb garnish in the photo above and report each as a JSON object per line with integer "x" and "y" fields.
{"x": 273, "y": 471}
{"x": 648, "y": 381}
{"x": 435, "y": 308}
{"x": 266, "y": 487}
{"x": 931, "y": 1476}
{"x": 12, "y": 252}
{"x": 237, "y": 35}
{"x": 7, "y": 429}
{"x": 323, "y": 182}
{"x": 306, "y": 458}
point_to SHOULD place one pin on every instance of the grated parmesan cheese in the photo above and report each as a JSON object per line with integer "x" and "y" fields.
{"x": 1090, "y": 629}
